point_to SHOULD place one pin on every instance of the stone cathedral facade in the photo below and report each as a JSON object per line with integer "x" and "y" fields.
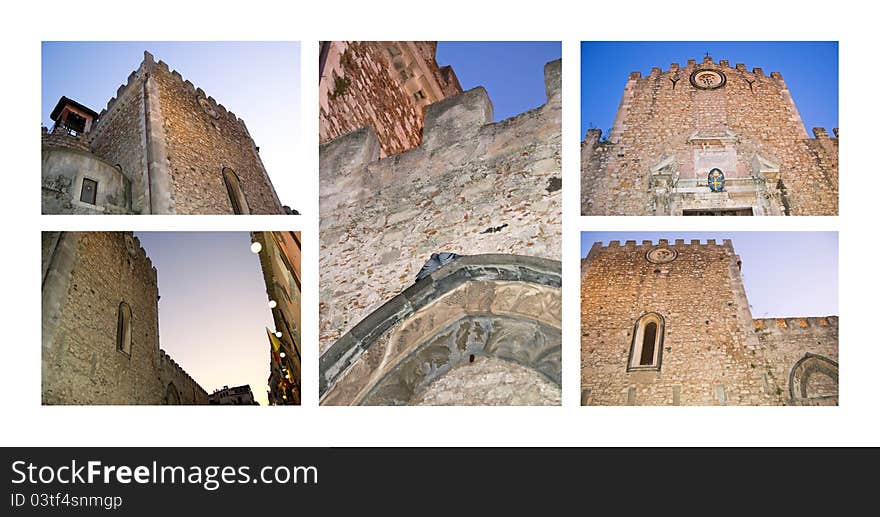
{"x": 669, "y": 324}
{"x": 709, "y": 139}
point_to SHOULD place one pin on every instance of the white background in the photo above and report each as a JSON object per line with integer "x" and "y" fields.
{"x": 26, "y": 422}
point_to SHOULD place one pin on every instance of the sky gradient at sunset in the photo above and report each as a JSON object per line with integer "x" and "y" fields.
{"x": 213, "y": 308}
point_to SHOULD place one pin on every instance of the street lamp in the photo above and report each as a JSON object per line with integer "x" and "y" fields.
{"x": 256, "y": 247}
{"x": 273, "y": 304}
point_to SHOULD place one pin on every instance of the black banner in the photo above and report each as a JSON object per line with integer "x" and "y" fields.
{"x": 247, "y": 481}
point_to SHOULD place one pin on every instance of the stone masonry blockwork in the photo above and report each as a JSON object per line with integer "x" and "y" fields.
{"x": 713, "y": 353}
{"x": 669, "y": 134}
{"x": 86, "y": 276}
{"x": 471, "y": 187}
{"x": 170, "y": 143}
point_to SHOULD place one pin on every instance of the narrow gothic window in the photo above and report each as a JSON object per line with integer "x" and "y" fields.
{"x": 233, "y": 188}
{"x": 89, "y": 191}
{"x": 646, "y": 349}
{"x": 647, "y": 357}
{"x": 123, "y": 329}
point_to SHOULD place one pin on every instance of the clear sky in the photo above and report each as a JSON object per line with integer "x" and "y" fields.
{"x": 808, "y": 68}
{"x": 213, "y": 307}
{"x": 786, "y": 274}
{"x": 512, "y": 72}
{"x": 258, "y": 81}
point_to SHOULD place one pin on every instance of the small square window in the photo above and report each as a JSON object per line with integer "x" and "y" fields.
{"x": 89, "y": 191}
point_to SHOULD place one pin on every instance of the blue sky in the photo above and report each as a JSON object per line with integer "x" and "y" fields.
{"x": 810, "y": 69}
{"x": 511, "y": 71}
{"x": 258, "y": 81}
{"x": 785, "y": 274}
{"x": 213, "y": 310}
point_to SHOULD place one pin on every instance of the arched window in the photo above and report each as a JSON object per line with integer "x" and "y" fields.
{"x": 233, "y": 188}
{"x": 123, "y": 329}
{"x": 646, "y": 350}
{"x": 172, "y": 397}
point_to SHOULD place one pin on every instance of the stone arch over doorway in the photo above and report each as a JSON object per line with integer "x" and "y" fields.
{"x": 813, "y": 381}
{"x": 498, "y": 314}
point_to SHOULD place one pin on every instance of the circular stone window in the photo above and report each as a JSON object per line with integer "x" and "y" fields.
{"x": 708, "y": 79}
{"x": 206, "y": 105}
{"x": 661, "y": 255}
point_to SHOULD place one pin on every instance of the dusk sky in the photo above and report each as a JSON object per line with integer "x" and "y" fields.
{"x": 809, "y": 69}
{"x": 258, "y": 81}
{"x": 213, "y": 307}
{"x": 785, "y": 274}
{"x": 512, "y": 72}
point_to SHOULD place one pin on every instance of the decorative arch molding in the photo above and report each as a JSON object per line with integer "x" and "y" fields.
{"x": 646, "y": 348}
{"x": 504, "y": 307}
{"x": 236, "y": 194}
{"x": 799, "y": 380}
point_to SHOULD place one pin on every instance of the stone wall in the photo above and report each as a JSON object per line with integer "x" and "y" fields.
{"x": 713, "y": 353}
{"x": 709, "y": 351}
{"x": 87, "y": 276}
{"x": 119, "y": 137}
{"x": 668, "y": 134}
{"x": 63, "y": 171}
{"x": 178, "y": 386}
{"x": 61, "y": 138}
{"x": 383, "y": 85}
{"x": 785, "y": 341}
{"x": 471, "y": 187}
{"x": 201, "y": 138}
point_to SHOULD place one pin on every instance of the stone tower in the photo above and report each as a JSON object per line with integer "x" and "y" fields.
{"x": 670, "y": 324}
{"x": 676, "y": 126}
{"x": 161, "y": 146}
{"x": 100, "y": 325}
{"x": 385, "y": 85}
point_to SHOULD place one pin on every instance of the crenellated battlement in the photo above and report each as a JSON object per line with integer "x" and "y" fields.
{"x": 707, "y": 63}
{"x": 167, "y": 362}
{"x": 645, "y": 244}
{"x": 820, "y": 133}
{"x": 453, "y": 120}
{"x": 200, "y": 94}
{"x": 137, "y": 252}
{"x": 795, "y": 323}
{"x": 150, "y": 65}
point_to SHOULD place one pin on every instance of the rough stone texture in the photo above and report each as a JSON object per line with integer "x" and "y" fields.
{"x": 86, "y": 276}
{"x": 383, "y": 85}
{"x": 712, "y": 353}
{"x": 491, "y": 382}
{"x": 201, "y": 139}
{"x": 785, "y": 341}
{"x": 172, "y": 142}
{"x": 64, "y": 170}
{"x": 668, "y": 135}
{"x": 475, "y": 187}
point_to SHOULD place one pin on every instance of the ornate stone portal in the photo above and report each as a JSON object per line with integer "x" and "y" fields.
{"x": 481, "y": 317}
